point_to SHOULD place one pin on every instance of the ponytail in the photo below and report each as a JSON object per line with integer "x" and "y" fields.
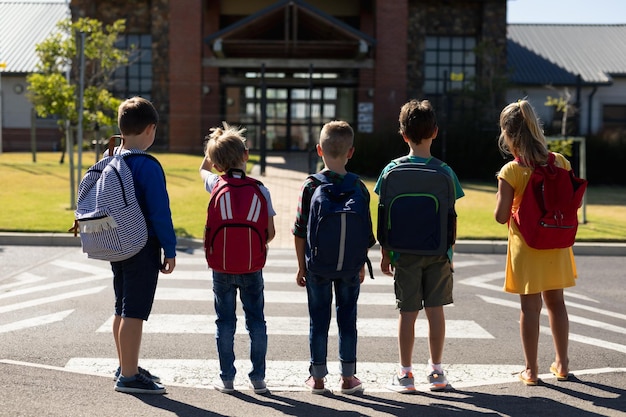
{"x": 522, "y": 134}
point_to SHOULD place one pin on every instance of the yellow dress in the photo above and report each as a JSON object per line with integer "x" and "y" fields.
{"x": 528, "y": 270}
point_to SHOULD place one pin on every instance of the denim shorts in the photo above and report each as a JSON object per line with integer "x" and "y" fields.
{"x": 135, "y": 281}
{"x": 422, "y": 281}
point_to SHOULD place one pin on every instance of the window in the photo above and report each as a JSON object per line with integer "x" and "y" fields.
{"x": 614, "y": 116}
{"x": 135, "y": 79}
{"x": 449, "y": 63}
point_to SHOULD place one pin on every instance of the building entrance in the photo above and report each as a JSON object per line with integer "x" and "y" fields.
{"x": 291, "y": 109}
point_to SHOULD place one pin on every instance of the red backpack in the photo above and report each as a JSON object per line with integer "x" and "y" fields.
{"x": 548, "y": 214}
{"x": 236, "y": 227}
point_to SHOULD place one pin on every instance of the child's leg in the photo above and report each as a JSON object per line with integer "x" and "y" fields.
{"x": 224, "y": 296}
{"x": 436, "y": 333}
{"x": 406, "y": 337}
{"x": 117, "y": 320}
{"x": 529, "y": 331}
{"x": 129, "y": 337}
{"x": 346, "y": 298}
{"x": 320, "y": 296}
{"x": 559, "y": 324}
{"x": 252, "y": 299}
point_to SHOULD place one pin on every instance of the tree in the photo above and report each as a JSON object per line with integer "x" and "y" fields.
{"x": 53, "y": 90}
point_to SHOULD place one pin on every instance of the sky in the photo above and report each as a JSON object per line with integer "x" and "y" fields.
{"x": 566, "y": 11}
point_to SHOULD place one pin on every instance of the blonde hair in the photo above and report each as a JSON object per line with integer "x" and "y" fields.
{"x": 336, "y": 138}
{"x": 226, "y": 147}
{"x": 521, "y": 134}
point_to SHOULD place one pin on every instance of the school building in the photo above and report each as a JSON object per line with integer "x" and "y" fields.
{"x": 283, "y": 68}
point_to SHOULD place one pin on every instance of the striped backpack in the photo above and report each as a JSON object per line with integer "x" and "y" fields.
{"x": 236, "y": 231}
{"x": 108, "y": 217}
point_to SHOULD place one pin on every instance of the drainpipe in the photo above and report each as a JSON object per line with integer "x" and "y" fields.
{"x": 589, "y": 104}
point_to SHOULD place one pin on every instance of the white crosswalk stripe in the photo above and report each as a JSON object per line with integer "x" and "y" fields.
{"x": 299, "y": 326}
{"x": 191, "y": 283}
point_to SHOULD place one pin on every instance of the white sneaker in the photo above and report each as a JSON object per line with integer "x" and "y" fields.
{"x": 403, "y": 384}
{"x": 437, "y": 381}
{"x": 224, "y": 386}
{"x": 259, "y": 386}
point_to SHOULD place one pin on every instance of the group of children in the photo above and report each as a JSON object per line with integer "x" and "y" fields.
{"x": 420, "y": 281}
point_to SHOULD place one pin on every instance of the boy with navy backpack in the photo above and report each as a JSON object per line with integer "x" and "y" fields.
{"x": 240, "y": 224}
{"x": 333, "y": 231}
{"x": 416, "y": 230}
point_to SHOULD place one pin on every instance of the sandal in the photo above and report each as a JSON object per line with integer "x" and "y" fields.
{"x": 555, "y": 372}
{"x": 527, "y": 381}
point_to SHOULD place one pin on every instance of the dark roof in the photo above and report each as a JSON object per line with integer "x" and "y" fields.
{"x": 559, "y": 54}
{"x": 24, "y": 24}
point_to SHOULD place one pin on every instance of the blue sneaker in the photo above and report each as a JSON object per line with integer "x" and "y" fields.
{"x": 138, "y": 384}
{"x": 142, "y": 371}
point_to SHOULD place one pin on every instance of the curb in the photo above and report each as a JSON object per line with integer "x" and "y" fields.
{"x": 463, "y": 246}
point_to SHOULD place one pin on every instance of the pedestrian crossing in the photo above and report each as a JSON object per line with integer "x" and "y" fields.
{"x": 287, "y": 321}
{"x": 191, "y": 282}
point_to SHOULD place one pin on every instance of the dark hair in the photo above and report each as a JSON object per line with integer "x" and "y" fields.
{"x": 135, "y": 114}
{"x": 417, "y": 120}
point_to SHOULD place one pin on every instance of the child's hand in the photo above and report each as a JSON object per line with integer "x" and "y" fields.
{"x": 385, "y": 264}
{"x": 168, "y": 265}
{"x": 301, "y": 277}
{"x": 362, "y": 274}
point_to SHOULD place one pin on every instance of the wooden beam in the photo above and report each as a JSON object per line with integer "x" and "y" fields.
{"x": 287, "y": 63}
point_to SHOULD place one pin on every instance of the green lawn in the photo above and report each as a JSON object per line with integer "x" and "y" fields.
{"x": 36, "y": 198}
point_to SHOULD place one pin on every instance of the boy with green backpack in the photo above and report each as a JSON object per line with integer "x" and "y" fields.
{"x": 416, "y": 230}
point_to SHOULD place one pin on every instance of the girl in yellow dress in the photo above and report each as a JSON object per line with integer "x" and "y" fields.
{"x": 538, "y": 275}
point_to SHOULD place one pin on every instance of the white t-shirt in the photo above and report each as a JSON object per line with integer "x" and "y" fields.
{"x": 210, "y": 179}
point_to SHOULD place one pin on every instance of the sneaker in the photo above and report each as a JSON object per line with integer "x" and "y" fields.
{"x": 142, "y": 371}
{"x": 224, "y": 386}
{"x": 258, "y": 386}
{"x": 138, "y": 384}
{"x": 437, "y": 381}
{"x": 351, "y": 386}
{"x": 315, "y": 385}
{"x": 403, "y": 384}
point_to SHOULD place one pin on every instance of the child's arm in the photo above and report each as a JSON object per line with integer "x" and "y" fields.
{"x": 300, "y": 244}
{"x": 205, "y": 168}
{"x": 505, "y": 195}
{"x": 385, "y": 263}
{"x": 271, "y": 229}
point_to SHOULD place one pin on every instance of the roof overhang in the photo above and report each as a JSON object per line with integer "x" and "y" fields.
{"x": 291, "y": 31}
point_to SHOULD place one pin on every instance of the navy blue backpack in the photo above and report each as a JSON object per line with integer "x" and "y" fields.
{"x": 339, "y": 228}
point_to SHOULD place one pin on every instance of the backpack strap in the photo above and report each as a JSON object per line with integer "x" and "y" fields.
{"x": 349, "y": 180}
{"x": 432, "y": 160}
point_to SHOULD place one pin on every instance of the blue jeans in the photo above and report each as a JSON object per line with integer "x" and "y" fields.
{"x": 225, "y": 299}
{"x": 320, "y": 295}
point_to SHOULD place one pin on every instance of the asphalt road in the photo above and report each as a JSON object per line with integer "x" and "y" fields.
{"x": 57, "y": 354}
